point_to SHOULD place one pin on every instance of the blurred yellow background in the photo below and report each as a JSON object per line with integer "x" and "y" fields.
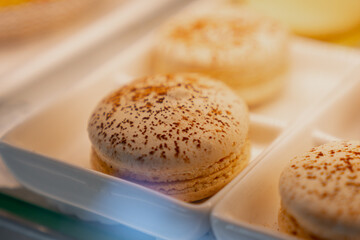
{"x": 336, "y": 21}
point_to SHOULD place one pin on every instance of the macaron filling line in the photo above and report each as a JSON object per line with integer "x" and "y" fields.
{"x": 217, "y": 180}
{"x": 237, "y": 164}
{"x": 153, "y": 175}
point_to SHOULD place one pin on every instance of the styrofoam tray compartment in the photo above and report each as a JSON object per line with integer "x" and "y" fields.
{"x": 342, "y": 117}
{"x": 251, "y": 209}
{"x": 316, "y": 68}
{"x": 49, "y": 154}
{"x": 49, "y": 151}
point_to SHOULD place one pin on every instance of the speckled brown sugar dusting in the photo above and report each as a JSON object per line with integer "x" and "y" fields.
{"x": 204, "y": 30}
{"x": 169, "y": 128}
{"x": 321, "y": 190}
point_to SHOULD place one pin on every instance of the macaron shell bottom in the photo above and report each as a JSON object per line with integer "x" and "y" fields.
{"x": 289, "y": 225}
{"x": 188, "y": 190}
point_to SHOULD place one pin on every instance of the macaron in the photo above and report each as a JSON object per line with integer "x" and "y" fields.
{"x": 320, "y": 193}
{"x": 246, "y": 51}
{"x": 184, "y": 135}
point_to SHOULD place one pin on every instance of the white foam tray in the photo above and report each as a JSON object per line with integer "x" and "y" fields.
{"x": 49, "y": 154}
{"x": 24, "y": 61}
{"x": 49, "y": 151}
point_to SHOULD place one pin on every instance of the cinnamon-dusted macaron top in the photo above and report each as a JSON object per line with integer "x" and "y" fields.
{"x": 224, "y": 29}
{"x": 169, "y": 121}
{"x": 223, "y": 38}
{"x": 324, "y": 183}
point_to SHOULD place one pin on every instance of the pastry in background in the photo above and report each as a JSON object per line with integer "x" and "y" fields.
{"x": 22, "y": 18}
{"x": 246, "y": 51}
{"x": 320, "y": 193}
{"x": 313, "y": 18}
{"x": 183, "y": 135}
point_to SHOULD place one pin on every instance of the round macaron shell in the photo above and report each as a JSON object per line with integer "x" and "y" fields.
{"x": 174, "y": 129}
{"x": 321, "y": 190}
{"x": 230, "y": 45}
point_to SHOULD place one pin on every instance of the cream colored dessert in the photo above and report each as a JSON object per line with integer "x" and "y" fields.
{"x": 246, "y": 51}
{"x": 320, "y": 193}
{"x": 183, "y": 135}
{"x": 315, "y": 18}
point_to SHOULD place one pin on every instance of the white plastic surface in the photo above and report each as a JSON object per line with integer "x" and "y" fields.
{"x": 49, "y": 152}
{"x": 23, "y": 61}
